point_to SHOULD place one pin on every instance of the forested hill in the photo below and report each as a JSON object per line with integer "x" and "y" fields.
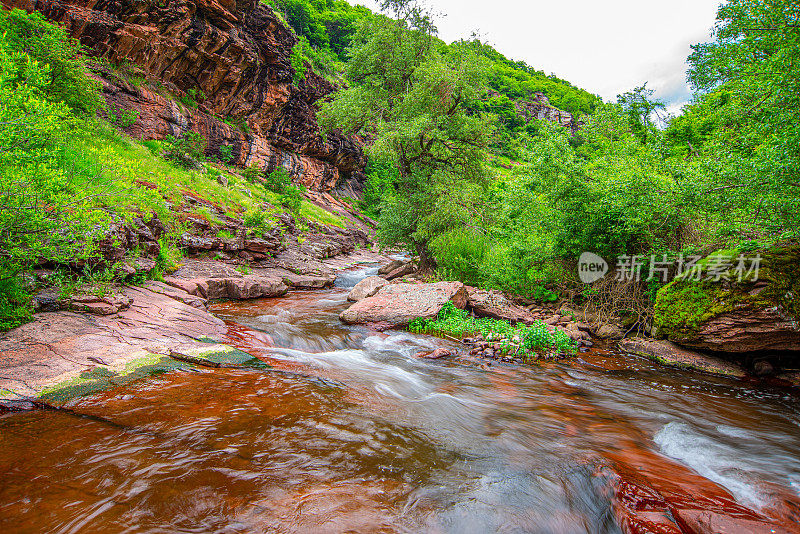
{"x": 326, "y": 28}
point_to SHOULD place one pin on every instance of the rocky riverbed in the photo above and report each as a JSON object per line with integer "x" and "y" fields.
{"x": 277, "y": 415}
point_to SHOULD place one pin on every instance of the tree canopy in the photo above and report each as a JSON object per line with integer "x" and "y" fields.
{"x": 412, "y": 97}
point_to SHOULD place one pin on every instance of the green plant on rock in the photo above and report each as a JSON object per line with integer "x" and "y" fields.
{"x": 684, "y": 305}
{"x": 169, "y": 255}
{"x": 121, "y": 117}
{"x": 252, "y": 173}
{"x": 292, "y": 198}
{"x": 529, "y": 342}
{"x": 226, "y": 153}
{"x": 278, "y": 180}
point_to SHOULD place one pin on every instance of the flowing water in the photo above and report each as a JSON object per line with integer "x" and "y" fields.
{"x": 350, "y": 432}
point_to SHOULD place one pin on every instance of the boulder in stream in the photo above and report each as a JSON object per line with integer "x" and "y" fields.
{"x": 398, "y": 304}
{"x": 366, "y": 288}
{"x": 487, "y": 303}
{"x": 738, "y": 312}
{"x": 435, "y": 354}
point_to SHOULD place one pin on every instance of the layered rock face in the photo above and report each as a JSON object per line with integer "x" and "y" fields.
{"x": 236, "y": 54}
{"x": 539, "y": 108}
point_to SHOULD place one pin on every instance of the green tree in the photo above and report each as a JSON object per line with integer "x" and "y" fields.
{"x": 413, "y": 95}
{"x": 745, "y": 124}
{"x": 50, "y": 45}
{"x": 641, "y": 108}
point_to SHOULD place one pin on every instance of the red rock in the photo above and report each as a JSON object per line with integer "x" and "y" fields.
{"x": 495, "y": 305}
{"x": 398, "y": 304}
{"x": 403, "y": 270}
{"x": 238, "y": 55}
{"x": 177, "y": 294}
{"x": 262, "y": 246}
{"x": 668, "y": 353}
{"x": 434, "y": 354}
{"x": 610, "y": 331}
{"x": 98, "y": 305}
{"x": 391, "y": 266}
{"x": 366, "y": 288}
{"x": 36, "y": 355}
{"x": 707, "y": 522}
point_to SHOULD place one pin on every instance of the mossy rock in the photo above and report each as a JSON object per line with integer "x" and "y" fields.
{"x": 732, "y": 315}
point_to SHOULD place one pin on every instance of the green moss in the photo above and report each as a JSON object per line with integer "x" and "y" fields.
{"x": 234, "y": 356}
{"x": 100, "y": 379}
{"x": 682, "y": 306}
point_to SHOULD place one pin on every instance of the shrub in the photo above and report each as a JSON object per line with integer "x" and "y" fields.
{"x": 63, "y": 68}
{"x": 121, "y": 117}
{"x": 252, "y": 173}
{"x": 45, "y": 208}
{"x": 460, "y": 254}
{"x": 292, "y": 198}
{"x": 529, "y": 342}
{"x": 381, "y": 177}
{"x": 153, "y": 146}
{"x": 226, "y": 153}
{"x": 278, "y": 180}
{"x": 15, "y": 305}
{"x": 185, "y": 150}
{"x": 169, "y": 256}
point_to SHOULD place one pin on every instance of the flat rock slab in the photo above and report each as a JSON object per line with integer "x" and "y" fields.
{"x": 708, "y": 522}
{"x": 58, "y": 347}
{"x": 298, "y": 281}
{"x": 211, "y": 279}
{"x": 668, "y": 353}
{"x": 398, "y": 304}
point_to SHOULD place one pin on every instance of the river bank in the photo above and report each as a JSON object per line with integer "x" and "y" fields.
{"x": 64, "y": 354}
{"x": 99, "y": 342}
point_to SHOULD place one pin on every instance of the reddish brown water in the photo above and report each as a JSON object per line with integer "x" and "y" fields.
{"x": 360, "y": 436}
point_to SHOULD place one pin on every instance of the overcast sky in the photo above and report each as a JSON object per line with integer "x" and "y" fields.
{"x": 604, "y": 46}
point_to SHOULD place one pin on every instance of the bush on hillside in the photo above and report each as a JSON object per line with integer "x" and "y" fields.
{"x": 45, "y": 209}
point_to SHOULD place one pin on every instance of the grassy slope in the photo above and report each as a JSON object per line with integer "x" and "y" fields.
{"x": 130, "y": 179}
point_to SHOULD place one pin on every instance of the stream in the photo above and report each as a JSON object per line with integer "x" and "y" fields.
{"x": 356, "y": 434}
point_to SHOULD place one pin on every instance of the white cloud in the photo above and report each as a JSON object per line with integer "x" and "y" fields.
{"x": 606, "y": 47}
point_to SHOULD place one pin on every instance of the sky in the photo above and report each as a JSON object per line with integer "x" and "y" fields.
{"x": 604, "y": 46}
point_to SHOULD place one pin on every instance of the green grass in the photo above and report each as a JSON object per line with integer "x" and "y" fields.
{"x": 320, "y": 215}
{"x": 528, "y": 342}
{"x": 132, "y": 179}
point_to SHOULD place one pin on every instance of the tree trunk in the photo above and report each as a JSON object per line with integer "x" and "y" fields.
{"x": 427, "y": 263}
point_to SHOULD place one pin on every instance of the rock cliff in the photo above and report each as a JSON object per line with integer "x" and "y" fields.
{"x": 539, "y": 108}
{"x": 234, "y": 57}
